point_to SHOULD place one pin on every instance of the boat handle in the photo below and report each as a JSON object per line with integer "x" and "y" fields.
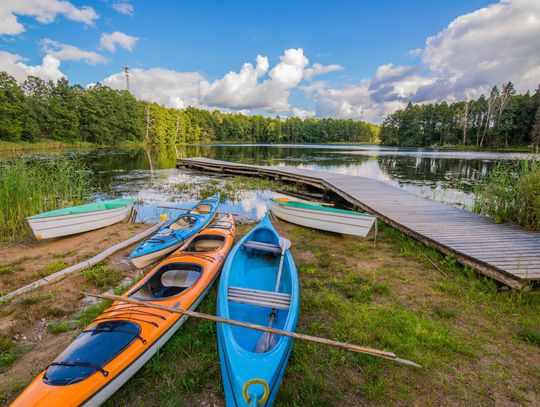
{"x": 260, "y": 381}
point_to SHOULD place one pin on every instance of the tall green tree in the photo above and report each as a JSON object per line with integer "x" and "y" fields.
{"x": 12, "y": 108}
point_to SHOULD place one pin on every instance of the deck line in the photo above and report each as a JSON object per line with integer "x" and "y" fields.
{"x": 504, "y": 252}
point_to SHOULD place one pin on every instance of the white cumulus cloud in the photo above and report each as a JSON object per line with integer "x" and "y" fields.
{"x": 163, "y": 86}
{"x": 258, "y": 87}
{"x": 15, "y": 65}
{"x": 124, "y": 7}
{"x": 117, "y": 38}
{"x": 318, "y": 69}
{"x": 301, "y": 113}
{"x": 44, "y": 11}
{"x": 495, "y": 44}
{"x": 64, "y": 52}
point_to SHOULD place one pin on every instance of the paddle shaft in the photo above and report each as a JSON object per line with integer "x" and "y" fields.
{"x": 267, "y": 338}
{"x": 295, "y": 335}
{"x": 188, "y": 209}
{"x": 280, "y": 268}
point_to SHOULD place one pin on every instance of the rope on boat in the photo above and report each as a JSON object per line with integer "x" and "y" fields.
{"x": 60, "y": 275}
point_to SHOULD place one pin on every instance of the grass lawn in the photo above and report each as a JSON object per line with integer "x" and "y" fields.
{"x": 478, "y": 346}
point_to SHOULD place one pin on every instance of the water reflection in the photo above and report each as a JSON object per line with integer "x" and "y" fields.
{"x": 150, "y": 175}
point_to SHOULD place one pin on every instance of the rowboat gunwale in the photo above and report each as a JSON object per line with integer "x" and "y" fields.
{"x": 99, "y": 206}
{"x": 336, "y": 222}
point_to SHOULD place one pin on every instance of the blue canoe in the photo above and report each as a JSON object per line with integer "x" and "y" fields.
{"x": 251, "y": 375}
{"x": 173, "y": 234}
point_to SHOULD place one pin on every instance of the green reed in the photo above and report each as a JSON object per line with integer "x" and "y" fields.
{"x": 511, "y": 193}
{"x": 30, "y": 186}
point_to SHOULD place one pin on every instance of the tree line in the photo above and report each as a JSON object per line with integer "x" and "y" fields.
{"x": 500, "y": 120}
{"x": 38, "y": 110}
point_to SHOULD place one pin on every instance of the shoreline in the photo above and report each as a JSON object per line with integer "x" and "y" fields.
{"x": 382, "y": 295}
{"x": 8, "y": 146}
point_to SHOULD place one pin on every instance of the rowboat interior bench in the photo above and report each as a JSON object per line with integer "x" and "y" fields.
{"x": 268, "y": 299}
{"x": 262, "y": 246}
{"x": 169, "y": 280}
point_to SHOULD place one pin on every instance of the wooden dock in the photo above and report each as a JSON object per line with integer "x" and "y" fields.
{"x": 504, "y": 252}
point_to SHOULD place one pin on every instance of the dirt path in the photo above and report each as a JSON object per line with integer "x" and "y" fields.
{"x": 25, "y": 322}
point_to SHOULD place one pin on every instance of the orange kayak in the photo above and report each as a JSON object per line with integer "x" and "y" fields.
{"x": 124, "y": 337}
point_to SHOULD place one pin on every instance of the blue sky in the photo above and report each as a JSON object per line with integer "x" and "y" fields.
{"x": 181, "y": 51}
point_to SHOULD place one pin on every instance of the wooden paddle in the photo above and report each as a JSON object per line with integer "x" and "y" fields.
{"x": 267, "y": 340}
{"x": 295, "y": 335}
{"x": 188, "y": 209}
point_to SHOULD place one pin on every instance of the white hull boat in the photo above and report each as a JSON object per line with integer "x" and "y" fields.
{"x": 79, "y": 219}
{"x": 322, "y": 217}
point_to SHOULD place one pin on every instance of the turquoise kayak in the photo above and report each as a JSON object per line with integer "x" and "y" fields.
{"x": 174, "y": 233}
{"x": 252, "y": 366}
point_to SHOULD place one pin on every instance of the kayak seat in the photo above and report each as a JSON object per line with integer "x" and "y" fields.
{"x": 184, "y": 222}
{"x": 208, "y": 245}
{"x": 265, "y": 247}
{"x": 179, "y": 278}
{"x": 169, "y": 280}
{"x": 201, "y": 209}
{"x": 268, "y": 299}
{"x": 205, "y": 243}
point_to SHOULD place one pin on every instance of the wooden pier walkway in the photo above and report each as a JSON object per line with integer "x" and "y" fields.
{"x": 506, "y": 253}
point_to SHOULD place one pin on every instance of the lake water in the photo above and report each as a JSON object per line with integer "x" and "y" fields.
{"x": 150, "y": 175}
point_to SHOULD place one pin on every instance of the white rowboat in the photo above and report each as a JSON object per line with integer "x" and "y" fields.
{"x": 78, "y": 219}
{"x": 322, "y": 217}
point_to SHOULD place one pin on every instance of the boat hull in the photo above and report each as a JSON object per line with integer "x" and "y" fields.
{"x": 57, "y": 226}
{"x": 166, "y": 239}
{"x": 240, "y": 360}
{"x": 145, "y": 260}
{"x": 154, "y": 327}
{"x": 337, "y": 222}
{"x": 127, "y": 374}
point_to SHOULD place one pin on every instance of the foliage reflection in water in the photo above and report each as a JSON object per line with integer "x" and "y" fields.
{"x": 150, "y": 176}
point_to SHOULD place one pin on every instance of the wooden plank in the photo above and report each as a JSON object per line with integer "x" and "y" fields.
{"x": 499, "y": 251}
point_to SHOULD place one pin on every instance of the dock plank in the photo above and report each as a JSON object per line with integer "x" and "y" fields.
{"x": 504, "y": 252}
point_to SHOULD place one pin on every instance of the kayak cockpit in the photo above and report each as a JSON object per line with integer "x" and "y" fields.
{"x": 201, "y": 209}
{"x": 205, "y": 243}
{"x": 183, "y": 222}
{"x": 169, "y": 280}
{"x": 91, "y": 351}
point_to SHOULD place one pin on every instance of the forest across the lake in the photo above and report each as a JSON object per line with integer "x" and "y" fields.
{"x": 61, "y": 113}
{"x": 503, "y": 119}
{"x": 47, "y": 111}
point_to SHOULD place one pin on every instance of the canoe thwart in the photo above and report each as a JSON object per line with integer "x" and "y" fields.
{"x": 268, "y": 299}
{"x": 268, "y": 247}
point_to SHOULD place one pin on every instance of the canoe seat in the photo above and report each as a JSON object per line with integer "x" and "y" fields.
{"x": 267, "y": 247}
{"x": 268, "y": 299}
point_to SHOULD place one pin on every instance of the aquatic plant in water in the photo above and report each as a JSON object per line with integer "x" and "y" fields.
{"x": 30, "y": 186}
{"x": 511, "y": 193}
